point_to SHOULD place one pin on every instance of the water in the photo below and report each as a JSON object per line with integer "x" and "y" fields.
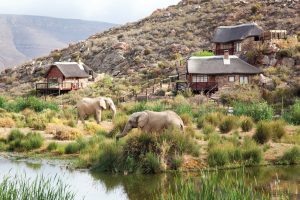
{"x": 92, "y": 185}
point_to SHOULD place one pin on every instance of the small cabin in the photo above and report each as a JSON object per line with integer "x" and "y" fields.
{"x": 274, "y": 35}
{"x": 62, "y": 77}
{"x": 208, "y": 74}
{"x": 235, "y": 38}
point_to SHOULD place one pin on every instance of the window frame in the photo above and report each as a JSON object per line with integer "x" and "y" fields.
{"x": 230, "y": 80}
{"x": 242, "y": 80}
{"x": 199, "y": 78}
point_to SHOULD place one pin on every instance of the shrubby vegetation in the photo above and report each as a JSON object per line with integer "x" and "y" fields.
{"x": 203, "y": 53}
{"x": 258, "y": 111}
{"x": 291, "y": 156}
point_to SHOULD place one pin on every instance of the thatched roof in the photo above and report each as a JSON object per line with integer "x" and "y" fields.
{"x": 72, "y": 69}
{"x": 215, "y": 65}
{"x": 224, "y": 34}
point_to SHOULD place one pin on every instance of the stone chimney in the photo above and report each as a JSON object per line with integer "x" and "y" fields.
{"x": 226, "y": 57}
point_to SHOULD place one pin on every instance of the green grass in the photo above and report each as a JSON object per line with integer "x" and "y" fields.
{"x": 17, "y": 141}
{"x": 291, "y": 156}
{"x": 210, "y": 186}
{"x": 258, "y": 111}
{"x": 263, "y": 132}
{"x": 40, "y": 188}
{"x": 52, "y": 146}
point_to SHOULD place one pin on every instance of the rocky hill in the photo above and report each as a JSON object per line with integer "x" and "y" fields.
{"x": 150, "y": 47}
{"x": 25, "y": 37}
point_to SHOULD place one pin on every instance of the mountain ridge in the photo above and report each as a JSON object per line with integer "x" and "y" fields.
{"x": 25, "y": 37}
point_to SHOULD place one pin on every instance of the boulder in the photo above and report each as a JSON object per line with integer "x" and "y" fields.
{"x": 288, "y": 62}
{"x": 122, "y": 46}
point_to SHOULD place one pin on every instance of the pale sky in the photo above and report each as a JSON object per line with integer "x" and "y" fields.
{"x": 114, "y": 11}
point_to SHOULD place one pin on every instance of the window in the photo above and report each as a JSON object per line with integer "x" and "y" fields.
{"x": 200, "y": 78}
{"x": 238, "y": 47}
{"x": 244, "y": 80}
{"x": 231, "y": 79}
{"x": 226, "y": 46}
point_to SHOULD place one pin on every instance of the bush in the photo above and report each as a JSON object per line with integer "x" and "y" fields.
{"x": 214, "y": 118}
{"x": 20, "y": 142}
{"x": 200, "y": 122}
{"x": 151, "y": 164}
{"x": 91, "y": 127}
{"x": 176, "y": 162}
{"x": 263, "y": 132}
{"x": 278, "y": 129}
{"x": 186, "y": 118}
{"x": 228, "y": 124}
{"x": 208, "y": 129}
{"x": 247, "y": 124}
{"x": 217, "y": 157}
{"x": 119, "y": 124}
{"x": 62, "y": 132}
{"x": 203, "y": 53}
{"x": 282, "y": 53}
{"x": 291, "y": 156}
{"x": 258, "y": 111}
{"x": 7, "y": 122}
{"x": 52, "y": 146}
{"x": 251, "y": 153}
{"x": 293, "y": 116}
{"x": 72, "y": 148}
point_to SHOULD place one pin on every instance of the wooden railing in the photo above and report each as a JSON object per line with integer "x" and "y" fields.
{"x": 202, "y": 86}
{"x": 60, "y": 86}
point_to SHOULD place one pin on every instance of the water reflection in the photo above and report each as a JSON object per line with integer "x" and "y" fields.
{"x": 94, "y": 185}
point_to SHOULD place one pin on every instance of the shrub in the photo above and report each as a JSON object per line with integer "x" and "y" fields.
{"x": 263, "y": 132}
{"x": 217, "y": 157}
{"x": 20, "y": 142}
{"x": 91, "y": 127}
{"x": 214, "y": 118}
{"x": 258, "y": 111}
{"x": 282, "y": 53}
{"x": 186, "y": 118}
{"x": 72, "y": 148}
{"x": 251, "y": 153}
{"x": 247, "y": 124}
{"x": 278, "y": 129}
{"x": 200, "y": 122}
{"x": 228, "y": 124}
{"x": 119, "y": 124}
{"x": 52, "y": 146}
{"x": 151, "y": 164}
{"x": 291, "y": 156}
{"x": 208, "y": 129}
{"x": 176, "y": 162}
{"x": 203, "y": 53}
{"x": 293, "y": 116}
{"x": 62, "y": 132}
{"x": 7, "y": 122}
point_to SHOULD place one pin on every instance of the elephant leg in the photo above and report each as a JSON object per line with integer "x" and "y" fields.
{"x": 98, "y": 116}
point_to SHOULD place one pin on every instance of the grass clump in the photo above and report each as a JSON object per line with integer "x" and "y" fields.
{"x": 263, "y": 132}
{"x": 228, "y": 124}
{"x": 16, "y": 188}
{"x": 52, "y": 146}
{"x": 17, "y": 141}
{"x": 217, "y": 157}
{"x": 291, "y": 156}
{"x": 7, "y": 122}
{"x": 72, "y": 148}
{"x": 278, "y": 129}
{"x": 293, "y": 116}
{"x": 247, "y": 124}
{"x": 62, "y": 132}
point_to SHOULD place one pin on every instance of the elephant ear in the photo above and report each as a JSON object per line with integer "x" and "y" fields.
{"x": 142, "y": 119}
{"x": 102, "y": 103}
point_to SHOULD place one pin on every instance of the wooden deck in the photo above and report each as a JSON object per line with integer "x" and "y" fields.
{"x": 204, "y": 86}
{"x": 47, "y": 88}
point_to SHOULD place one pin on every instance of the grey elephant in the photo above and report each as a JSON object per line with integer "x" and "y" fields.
{"x": 150, "y": 121}
{"x": 94, "y": 106}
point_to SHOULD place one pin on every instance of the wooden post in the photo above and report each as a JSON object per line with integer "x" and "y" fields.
{"x": 153, "y": 88}
{"x": 146, "y": 94}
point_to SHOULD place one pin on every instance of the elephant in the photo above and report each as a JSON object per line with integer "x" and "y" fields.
{"x": 94, "y": 106}
{"x": 150, "y": 121}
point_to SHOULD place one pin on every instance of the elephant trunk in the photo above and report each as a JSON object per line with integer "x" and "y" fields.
{"x": 124, "y": 132}
{"x": 114, "y": 110}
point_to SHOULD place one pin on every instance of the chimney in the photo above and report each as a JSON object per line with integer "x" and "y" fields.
{"x": 226, "y": 57}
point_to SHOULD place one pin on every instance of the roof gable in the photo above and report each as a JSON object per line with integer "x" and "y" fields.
{"x": 224, "y": 34}
{"x": 70, "y": 70}
{"x": 216, "y": 65}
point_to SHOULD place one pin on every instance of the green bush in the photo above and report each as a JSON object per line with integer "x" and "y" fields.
{"x": 258, "y": 111}
{"x": 278, "y": 129}
{"x": 263, "y": 132}
{"x": 214, "y": 118}
{"x": 282, "y": 53}
{"x": 17, "y": 141}
{"x": 217, "y": 157}
{"x": 208, "y": 129}
{"x": 247, "y": 124}
{"x": 72, "y": 148}
{"x": 32, "y": 103}
{"x": 251, "y": 153}
{"x": 203, "y": 53}
{"x": 228, "y": 124}
{"x": 291, "y": 156}
{"x": 176, "y": 162}
{"x": 200, "y": 122}
{"x": 52, "y": 146}
{"x": 2, "y": 101}
{"x": 293, "y": 116}
{"x": 151, "y": 164}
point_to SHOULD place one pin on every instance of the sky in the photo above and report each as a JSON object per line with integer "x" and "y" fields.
{"x": 114, "y": 11}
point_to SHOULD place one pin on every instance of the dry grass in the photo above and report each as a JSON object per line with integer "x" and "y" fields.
{"x": 7, "y": 122}
{"x": 62, "y": 132}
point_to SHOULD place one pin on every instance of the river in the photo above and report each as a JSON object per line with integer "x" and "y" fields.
{"x": 91, "y": 185}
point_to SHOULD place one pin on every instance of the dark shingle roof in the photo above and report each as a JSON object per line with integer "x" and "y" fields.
{"x": 71, "y": 69}
{"x": 225, "y": 34}
{"x": 215, "y": 65}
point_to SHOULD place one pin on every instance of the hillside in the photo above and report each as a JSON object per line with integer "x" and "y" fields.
{"x": 149, "y": 48}
{"x": 25, "y": 37}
